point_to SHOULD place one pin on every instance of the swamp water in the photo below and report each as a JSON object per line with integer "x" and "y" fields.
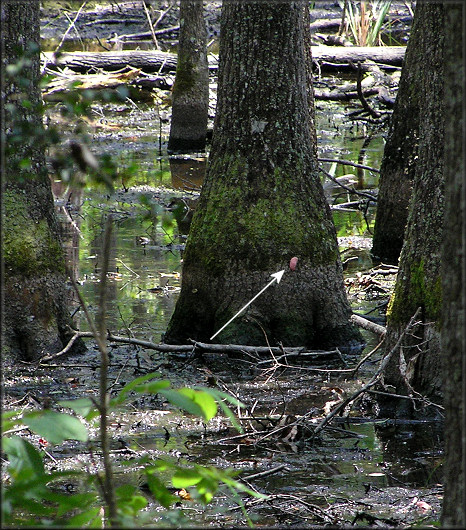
{"x": 360, "y": 470}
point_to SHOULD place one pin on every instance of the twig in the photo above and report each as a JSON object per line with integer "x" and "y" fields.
{"x": 128, "y": 268}
{"x": 299, "y": 351}
{"x": 364, "y": 359}
{"x": 66, "y": 349}
{"x": 363, "y": 100}
{"x": 265, "y": 473}
{"x": 154, "y": 38}
{"x": 372, "y": 381}
{"x": 401, "y": 396}
{"x": 163, "y": 13}
{"x": 109, "y": 491}
{"x": 347, "y": 188}
{"x": 65, "y": 34}
{"x": 369, "y": 325}
{"x": 348, "y": 163}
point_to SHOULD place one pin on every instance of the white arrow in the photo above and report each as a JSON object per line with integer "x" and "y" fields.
{"x": 277, "y": 276}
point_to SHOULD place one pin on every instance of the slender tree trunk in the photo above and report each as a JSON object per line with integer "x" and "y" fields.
{"x": 453, "y": 272}
{"x": 191, "y": 89}
{"x": 35, "y": 314}
{"x": 262, "y": 202}
{"x": 416, "y": 368}
{"x": 420, "y": 77}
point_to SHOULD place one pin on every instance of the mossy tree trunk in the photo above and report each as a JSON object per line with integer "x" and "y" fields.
{"x": 415, "y": 368}
{"x": 453, "y": 272}
{"x": 420, "y": 76}
{"x": 35, "y": 314}
{"x": 190, "y": 97}
{"x": 262, "y": 202}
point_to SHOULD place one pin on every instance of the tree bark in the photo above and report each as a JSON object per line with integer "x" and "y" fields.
{"x": 420, "y": 77}
{"x": 453, "y": 273}
{"x": 153, "y": 61}
{"x": 416, "y": 367}
{"x": 190, "y": 108}
{"x": 262, "y": 202}
{"x": 35, "y": 314}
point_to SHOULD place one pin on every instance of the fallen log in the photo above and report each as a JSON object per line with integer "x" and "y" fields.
{"x": 369, "y": 325}
{"x": 157, "y": 61}
{"x": 147, "y": 61}
{"x": 389, "y": 55}
{"x": 342, "y": 95}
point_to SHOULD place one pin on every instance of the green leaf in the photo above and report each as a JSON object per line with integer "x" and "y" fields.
{"x": 159, "y": 490}
{"x": 22, "y": 456}
{"x": 82, "y": 519}
{"x": 56, "y": 427}
{"x": 152, "y": 388}
{"x": 82, "y": 406}
{"x": 184, "y": 478}
{"x": 9, "y": 423}
{"x": 205, "y": 401}
{"x": 130, "y": 386}
{"x": 128, "y": 501}
{"x": 220, "y": 396}
{"x": 67, "y": 502}
{"x": 182, "y": 401}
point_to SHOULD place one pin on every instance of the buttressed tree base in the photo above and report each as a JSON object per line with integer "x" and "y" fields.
{"x": 262, "y": 202}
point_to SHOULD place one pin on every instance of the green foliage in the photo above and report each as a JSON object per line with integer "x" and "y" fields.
{"x": 29, "y": 498}
{"x": 364, "y": 20}
{"x": 26, "y": 137}
{"x": 55, "y": 427}
{"x": 32, "y": 495}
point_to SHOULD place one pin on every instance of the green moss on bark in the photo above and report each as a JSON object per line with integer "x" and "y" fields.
{"x": 422, "y": 292}
{"x": 270, "y": 223}
{"x": 186, "y": 74}
{"x": 29, "y": 247}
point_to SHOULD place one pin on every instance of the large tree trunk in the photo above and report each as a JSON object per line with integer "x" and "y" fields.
{"x": 420, "y": 77}
{"x": 415, "y": 368}
{"x": 190, "y": 107}
{"x": 453, "y": 272}
{"x": 262, "y": 202}
{"x": 35, "y": 316}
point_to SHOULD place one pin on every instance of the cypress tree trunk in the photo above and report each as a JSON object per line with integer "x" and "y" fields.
{"x": 416, "y": 367}
{"x": 35, "y": 314}
{"x": 422, "y": 71}
{"x": 191, "y": 89}
{"x": 262, "y": 202}
{"x": 453, "y": 272}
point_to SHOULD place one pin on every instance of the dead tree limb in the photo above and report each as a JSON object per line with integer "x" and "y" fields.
{"x": 349, "y": 163}
{"x": 368, "y": 325}
{"x": 201, "y": 346}
{"x": 364, "y": 103}
{"x": 375, "y": 378}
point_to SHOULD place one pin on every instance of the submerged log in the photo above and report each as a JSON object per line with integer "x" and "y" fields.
{"x": 154, "y": 61}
